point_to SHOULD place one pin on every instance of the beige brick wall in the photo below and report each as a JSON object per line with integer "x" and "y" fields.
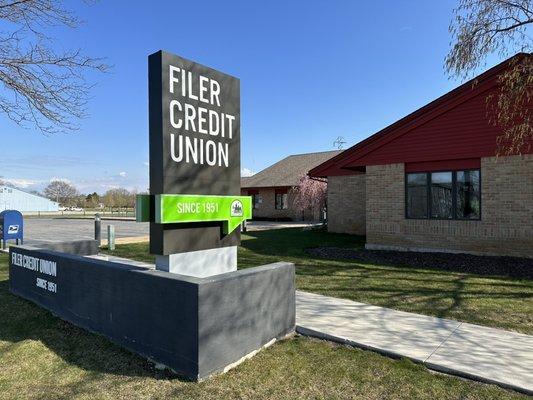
{"x": 346, "y": 204}
{"x": 506, "y": 226}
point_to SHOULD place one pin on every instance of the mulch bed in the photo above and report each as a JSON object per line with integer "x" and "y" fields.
{"x": 484, "y": 265}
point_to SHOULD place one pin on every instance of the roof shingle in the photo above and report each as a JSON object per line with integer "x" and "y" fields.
{"x": 288, "y": 171}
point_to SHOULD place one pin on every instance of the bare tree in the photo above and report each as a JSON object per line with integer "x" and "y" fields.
{"x": 42, "y": 87}
{"x": 119, "y": 197}
{"x": 4, "y": 182}
{"x": 61, "y": 191}
{"x": 92, "y": 200}
{"x": 483, "y": 27}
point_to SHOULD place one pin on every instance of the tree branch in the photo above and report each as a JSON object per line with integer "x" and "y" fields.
{"x": 41, "y": 87}
{"x": 481, "y": 27}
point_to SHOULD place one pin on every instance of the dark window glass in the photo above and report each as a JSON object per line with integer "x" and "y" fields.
{"x": 281, "y": 201}
{"x": 452, "y": 195}
{"x": 468, "y": 194}
{"x": 255, "y": 200}
{"x": 441, "y": 195}
{"x": 417, "y": 200}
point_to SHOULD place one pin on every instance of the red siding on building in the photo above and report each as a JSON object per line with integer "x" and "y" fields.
{"x": 453, "y": 127}
{"x": 445, "y": 165}
{"x": 462, "y": 132}
{"x": 335, "y": 170}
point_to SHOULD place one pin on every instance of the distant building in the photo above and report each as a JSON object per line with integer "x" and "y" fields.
{"x": 271, "y": 189}
{"x": 16, "y": 199}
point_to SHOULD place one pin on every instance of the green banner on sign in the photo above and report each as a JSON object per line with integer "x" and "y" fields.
{"x": 178, "y": 208}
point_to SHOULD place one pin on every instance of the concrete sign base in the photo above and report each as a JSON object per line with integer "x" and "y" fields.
{"x": 201, "y": 263}
{"x": 195, "y": 326}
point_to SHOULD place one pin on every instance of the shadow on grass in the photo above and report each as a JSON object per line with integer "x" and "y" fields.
{"x": 294, "y": 241}
{"x": 23, "y": 321}
{"x": 496, "y": 301}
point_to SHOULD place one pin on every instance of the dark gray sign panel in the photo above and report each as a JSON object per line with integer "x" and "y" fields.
{"x": 196, "y": 327}
{"x": 194, "y": 117}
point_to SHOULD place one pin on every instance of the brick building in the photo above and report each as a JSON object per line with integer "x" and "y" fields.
{"x": 273, "y": 189}
{"x": 432, "y": 182}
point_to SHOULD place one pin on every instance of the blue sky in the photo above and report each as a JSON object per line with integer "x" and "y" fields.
{"x": 310, "y": 71}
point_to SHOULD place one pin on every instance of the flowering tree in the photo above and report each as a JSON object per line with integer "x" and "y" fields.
{"x": 310, "y": 195}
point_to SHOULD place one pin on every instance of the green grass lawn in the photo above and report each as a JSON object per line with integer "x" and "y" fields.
{"x": 42, "y": 357}
{"x": 493, "y": 301}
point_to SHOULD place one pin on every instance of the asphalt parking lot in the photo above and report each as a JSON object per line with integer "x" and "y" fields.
{"x": 63, "y": 229}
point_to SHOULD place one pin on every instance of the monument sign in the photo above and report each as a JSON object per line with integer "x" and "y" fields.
{"x": 194, "y": 206}
{"x": 179, "y": 315}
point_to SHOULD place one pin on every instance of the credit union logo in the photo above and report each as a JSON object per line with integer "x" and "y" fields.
{"x": 236, "y": 208}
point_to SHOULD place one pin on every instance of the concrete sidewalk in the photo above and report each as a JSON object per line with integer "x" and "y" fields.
{"x": 486, "y": 354}
{"x": 268, "y": 225}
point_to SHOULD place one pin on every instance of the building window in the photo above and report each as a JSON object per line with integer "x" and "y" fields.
{"x": 417, "y": 200}
{"x": 443, "y": 195}
{"x": 256, "y": 200}
{"x": 282, "y": 202}
{"x": 468, "y": 194}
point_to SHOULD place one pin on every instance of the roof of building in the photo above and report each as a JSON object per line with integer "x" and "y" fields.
{"x": 288, "y": 171}
{"x": 359, "y": 155}
{"x": 3, "y": 186}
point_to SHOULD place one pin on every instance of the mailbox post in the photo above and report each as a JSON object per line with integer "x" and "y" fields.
{"x": 11, "y": 227}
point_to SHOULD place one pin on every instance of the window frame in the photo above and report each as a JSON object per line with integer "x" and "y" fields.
{"x": 255, "y": 195}
{"x": 276, "y": 194}
{"x": 429, "y": 185}
{"x": 406, "y": 198}
{"x": 454, "y": 195}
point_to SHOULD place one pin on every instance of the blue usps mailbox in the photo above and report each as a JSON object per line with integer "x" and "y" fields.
{"x": 11, "y": 226}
